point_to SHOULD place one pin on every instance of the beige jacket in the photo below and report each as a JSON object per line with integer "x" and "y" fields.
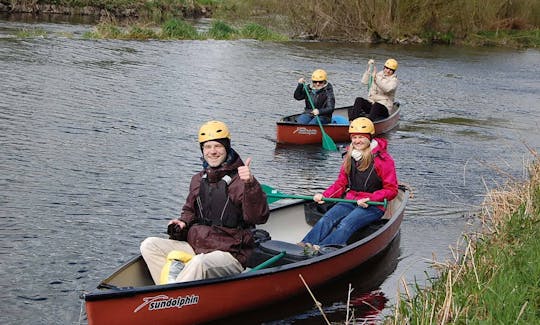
{"x": 383, "y": 89}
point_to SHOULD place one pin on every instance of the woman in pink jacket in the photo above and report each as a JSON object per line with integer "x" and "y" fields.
{"x": 367, "y": 174}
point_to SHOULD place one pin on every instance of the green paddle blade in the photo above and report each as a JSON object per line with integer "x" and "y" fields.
{"x": 327, "y": 142}
{"x": 270, "y": 197}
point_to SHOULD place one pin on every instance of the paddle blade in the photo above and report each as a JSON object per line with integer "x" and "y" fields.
{"x": 270, "y": 194}
{"x": 328, "y": 143}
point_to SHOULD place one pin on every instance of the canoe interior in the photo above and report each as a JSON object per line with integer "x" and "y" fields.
{"x": 287, "y": 225}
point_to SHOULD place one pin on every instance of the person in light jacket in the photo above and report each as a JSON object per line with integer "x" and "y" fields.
{"x": 381, "y": 92}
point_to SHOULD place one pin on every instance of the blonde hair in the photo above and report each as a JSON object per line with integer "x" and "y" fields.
{"x": 367, "y": 158}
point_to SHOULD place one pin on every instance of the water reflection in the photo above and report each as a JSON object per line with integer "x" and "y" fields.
{"x": 366, "y": 299}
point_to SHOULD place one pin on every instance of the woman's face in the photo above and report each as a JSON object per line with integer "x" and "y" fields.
{"x": 388, "y": 71}
{"x": 318, "y": 84}
{"x": 359, "y": 142}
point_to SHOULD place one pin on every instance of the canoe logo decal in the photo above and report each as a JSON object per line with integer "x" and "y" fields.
{"x": 305, "y": 131}
{"x": 164, "y": 302}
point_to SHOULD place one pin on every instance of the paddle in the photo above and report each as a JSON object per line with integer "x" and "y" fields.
{"x": 370, "y": 77}
{"x": 327, "y": 142}
{"x": 272, "y": 195}
{"x": 269, "y": 262}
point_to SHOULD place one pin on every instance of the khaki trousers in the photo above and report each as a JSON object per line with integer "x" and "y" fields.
{"x": 202, "y": 266}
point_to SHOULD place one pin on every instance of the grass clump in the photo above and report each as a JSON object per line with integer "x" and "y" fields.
{"x": 510, "y": 38}
{"x": 31, "y": 33}
{"x": 221, "y": 31}
{"x": 261, "y": 33}
{"x": 178, "y": 29}
{"x": 141, "y": 33}
{"x": 105, "y": 30}
{"x": 496, "y": 278}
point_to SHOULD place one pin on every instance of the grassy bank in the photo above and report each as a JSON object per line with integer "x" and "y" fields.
{"x": 495, "y": 279}
{"x": 476, "y": 22}
{"x": 471, "y": 22}
{"x": 181, "y": 30}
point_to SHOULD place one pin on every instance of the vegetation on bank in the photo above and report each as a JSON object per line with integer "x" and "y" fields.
{"x": 181, "y": 30}
{"x": 472, "y": 22}
{"x": 478, "y": 22}
{"x": 496, "y": 278}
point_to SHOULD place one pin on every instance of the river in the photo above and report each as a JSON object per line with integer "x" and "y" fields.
{"x": 99, "y": 144}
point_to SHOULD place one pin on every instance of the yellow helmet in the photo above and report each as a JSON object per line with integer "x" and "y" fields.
{"x": 213, "y": 130}
{"x": 362, "y": 125}
{"x": 391, "y": 63}
{"x": 318, "y": 75}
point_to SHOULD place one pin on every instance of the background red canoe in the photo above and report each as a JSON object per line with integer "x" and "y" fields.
{"x": 290, "y": 132}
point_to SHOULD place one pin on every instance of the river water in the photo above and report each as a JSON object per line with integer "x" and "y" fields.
{"x": 99, "y": 143}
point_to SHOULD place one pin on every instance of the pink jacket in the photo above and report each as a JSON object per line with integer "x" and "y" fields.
{"x": 386, "y": 170}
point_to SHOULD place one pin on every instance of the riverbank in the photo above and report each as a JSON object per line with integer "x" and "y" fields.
{"x": 495, "y": 278}
{"x": 487, "y": 23}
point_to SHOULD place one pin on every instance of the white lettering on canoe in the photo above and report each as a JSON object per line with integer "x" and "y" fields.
{"x": 163, "y": 302}
{"x": 305, "y": 131}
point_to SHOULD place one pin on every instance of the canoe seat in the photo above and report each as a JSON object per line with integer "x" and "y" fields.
{"x": 338, "y": 119}
{"x": 271, "y": 248}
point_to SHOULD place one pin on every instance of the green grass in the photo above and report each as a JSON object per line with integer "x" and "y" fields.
{"x": 511, "y": 38}
{"x": 221, "y": 31}
{"x": 261, "y": 33}
{"x": 105, "y": 31}
{"x": 31, "y": 33}
{"x": 178, "y": 29}
{"x": 497, "y": 278}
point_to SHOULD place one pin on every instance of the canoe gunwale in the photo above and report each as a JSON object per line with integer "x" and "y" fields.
{"x": 288, "y": 131}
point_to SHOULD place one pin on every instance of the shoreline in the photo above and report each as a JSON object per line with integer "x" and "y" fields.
{"x": 140, "y": 15}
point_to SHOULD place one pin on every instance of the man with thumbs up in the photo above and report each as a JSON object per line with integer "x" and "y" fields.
{"x": 224, "y": 204}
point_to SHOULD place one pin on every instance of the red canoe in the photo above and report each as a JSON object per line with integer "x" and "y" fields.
{"x": 129, "y": 297}
{"x": 290, "y": 132}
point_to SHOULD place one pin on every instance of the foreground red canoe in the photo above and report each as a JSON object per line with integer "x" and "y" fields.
{"x": 129, "y": 296}
{"x": 290, "y": 132}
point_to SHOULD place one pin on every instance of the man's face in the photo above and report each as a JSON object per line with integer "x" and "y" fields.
{"x": 214, "y": 153}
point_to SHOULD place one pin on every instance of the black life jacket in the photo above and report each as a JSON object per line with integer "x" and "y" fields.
{"x": 365, "y": 181}
{"x": 215, "y": 206}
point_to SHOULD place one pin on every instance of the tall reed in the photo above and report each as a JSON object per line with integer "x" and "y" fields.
{"x": 495, "y": 278}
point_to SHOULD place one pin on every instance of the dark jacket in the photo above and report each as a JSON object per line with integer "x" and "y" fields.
{"x": 323, "y": 99}
{"x": 249, "y": 197}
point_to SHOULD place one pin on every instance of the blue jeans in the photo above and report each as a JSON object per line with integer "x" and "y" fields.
{"x": 346, "y": 218}
{"x": 309, "y": 119}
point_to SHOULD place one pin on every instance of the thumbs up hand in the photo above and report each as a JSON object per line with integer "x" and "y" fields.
{"x": 244, "y": 172}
